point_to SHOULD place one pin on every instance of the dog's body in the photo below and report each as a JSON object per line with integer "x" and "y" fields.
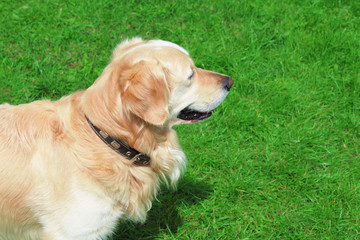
{"x": 59, "y": 180}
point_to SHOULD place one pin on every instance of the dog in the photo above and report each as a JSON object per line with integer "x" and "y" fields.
{"x": 71, "y": 168}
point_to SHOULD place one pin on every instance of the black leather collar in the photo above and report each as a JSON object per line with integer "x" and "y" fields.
{"x": 121, "y": 147}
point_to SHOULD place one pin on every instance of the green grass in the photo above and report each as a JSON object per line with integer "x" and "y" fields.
{"x": 280, "y": 157}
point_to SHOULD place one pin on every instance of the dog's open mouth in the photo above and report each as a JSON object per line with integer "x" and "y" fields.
{"x": 188, "y": 114}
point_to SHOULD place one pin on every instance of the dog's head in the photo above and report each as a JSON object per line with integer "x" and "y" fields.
{"x": 159, "y": 83}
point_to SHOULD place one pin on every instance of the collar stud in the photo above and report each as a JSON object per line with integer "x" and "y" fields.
{"x": 120, "y": 146}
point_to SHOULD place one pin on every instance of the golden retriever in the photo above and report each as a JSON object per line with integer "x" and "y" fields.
{"x": 59, "y": 179}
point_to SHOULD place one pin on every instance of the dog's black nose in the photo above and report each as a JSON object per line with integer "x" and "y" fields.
{"x": 228, "y": 82}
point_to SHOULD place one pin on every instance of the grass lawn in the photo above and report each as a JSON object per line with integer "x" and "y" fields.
{"x": 280, "y": 157}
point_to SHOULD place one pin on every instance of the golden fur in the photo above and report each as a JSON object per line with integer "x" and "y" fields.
{"x": 58, "y": 180}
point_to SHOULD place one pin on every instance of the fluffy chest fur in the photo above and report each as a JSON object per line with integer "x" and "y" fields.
{"x": 83, "y": 216}
{"x": 91, "y": 212}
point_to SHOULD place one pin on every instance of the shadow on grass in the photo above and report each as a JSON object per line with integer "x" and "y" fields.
{"x": 164, "y": 215}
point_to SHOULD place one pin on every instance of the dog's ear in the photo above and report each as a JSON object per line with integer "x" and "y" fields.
{"x": 144, "y": 91}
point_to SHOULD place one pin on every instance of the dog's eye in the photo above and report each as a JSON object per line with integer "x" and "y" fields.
{"x": 191, "y": 75}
